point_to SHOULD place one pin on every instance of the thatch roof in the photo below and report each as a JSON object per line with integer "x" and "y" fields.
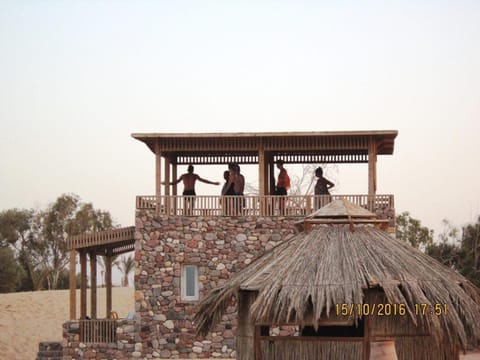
{"x": 331, "y": 264}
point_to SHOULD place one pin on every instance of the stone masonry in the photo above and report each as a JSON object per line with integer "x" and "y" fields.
{"x": 218, "y": 246}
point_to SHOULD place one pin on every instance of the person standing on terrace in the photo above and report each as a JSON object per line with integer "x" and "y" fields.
{"x": 283, "y": 184}
{"x": 322, "y": 188}
{"x": 189, "y": 179}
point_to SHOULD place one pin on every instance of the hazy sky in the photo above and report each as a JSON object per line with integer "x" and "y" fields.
{"x": 78, "y": 77}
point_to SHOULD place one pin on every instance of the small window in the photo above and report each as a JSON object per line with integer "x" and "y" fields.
{"x": 189, "y": 283}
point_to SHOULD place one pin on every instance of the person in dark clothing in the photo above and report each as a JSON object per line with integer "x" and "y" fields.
{"x": 189, "y": 179}
{"x": 322, "y": 188}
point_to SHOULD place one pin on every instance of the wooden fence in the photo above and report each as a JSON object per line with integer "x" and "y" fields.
{"x": 176, "y": 205}
{"x": 98, "y": 331}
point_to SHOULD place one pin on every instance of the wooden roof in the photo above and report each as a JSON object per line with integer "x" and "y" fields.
{"x": 292, "y": 147}
{"x": 115, "y": 241}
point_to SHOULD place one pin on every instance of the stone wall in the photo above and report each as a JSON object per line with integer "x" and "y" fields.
{"x": 218, "y": 246}
{"x": 127, "y": 343}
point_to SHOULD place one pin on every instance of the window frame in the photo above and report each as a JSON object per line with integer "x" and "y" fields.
{"x": 184, "y": 282}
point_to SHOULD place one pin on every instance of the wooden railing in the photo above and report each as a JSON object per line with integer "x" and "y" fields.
{"x": 101, "y": 237}
{"x": 174, "y": 205}
{"x": 98, "y": 331}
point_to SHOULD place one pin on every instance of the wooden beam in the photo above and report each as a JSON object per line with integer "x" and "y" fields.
{"x": 372, "y": 166}
{"x": 166, "y": 167}
{"x": 73, "y": 285}
{"x": 158, "y": 173}
{"x": 108, "y": 280}
{"x": 83, "y": 284}
{"x": 262, "y": 165}
{"x": 271, "y": 175}
{"x": 93, "y": 285}
{"x": 174, "y": 177}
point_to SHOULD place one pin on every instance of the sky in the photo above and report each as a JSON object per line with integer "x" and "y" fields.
{"x": 77, "y": 78}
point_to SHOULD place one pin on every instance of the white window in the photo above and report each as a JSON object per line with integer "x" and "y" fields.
{"x": 189, "y": 283}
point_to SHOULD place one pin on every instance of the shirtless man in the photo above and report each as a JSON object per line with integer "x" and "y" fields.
{"x": 189, "y": 179}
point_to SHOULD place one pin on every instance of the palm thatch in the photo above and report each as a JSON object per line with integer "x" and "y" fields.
{"x": 303, "y": 278}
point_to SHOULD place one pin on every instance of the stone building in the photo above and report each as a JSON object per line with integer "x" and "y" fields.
{"x": 185, "y": 246}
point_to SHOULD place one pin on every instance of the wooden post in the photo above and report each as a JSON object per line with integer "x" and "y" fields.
{"x": 166, "y": 163}
{"x": 174, "y": 177}
{"x": 372, "y": 166}
{"x": 246, "y": 328}
{"x": 174, "y": 189}
{"x": 93, "y": 285}
{"x": 372, "y": 173}
{"x": 158, "y": 174}
{"x": 261, "y": 179}
{"x": 271, "y": 168}
{"x": 83, "y": 285}
{"x": 108, "y": 280}
{"x": 73, "y": 285}
{"x": 168, "y": 202}
{"x": 261, "y": 171}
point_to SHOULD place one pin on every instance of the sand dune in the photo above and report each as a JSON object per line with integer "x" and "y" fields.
{"x": 30, "y": 317}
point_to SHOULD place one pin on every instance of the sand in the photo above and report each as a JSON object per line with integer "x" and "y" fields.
{"x": 30, "y": 317}
{"x": 27, "y": 318}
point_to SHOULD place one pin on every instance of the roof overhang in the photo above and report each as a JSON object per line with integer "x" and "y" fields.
{"x": 294, "y": 147}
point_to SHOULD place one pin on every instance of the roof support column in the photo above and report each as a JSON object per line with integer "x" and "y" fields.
{"x": 372, "y": 166}
{"x": 108, "y": 280}
{"x": 262, "y": 173}
{"x": 83, "y": 285}
{"x": 168, "y": 202}
{"x": 93, "y": 285}
{"x": 73, "y": 285}
{"x": 246, "y": 327}
{"x": 372, "y": 173}
{"x": 262, "y": 177}
{"x": 174, "y": 189}
{"x": 158, "y": 174}
{"x": 271, "y": 175}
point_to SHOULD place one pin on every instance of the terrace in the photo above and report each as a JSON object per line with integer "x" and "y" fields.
{"x": 264, "y": 149}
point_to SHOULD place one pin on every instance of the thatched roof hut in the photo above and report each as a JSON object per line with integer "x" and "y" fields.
{"x": 342, "y": 265}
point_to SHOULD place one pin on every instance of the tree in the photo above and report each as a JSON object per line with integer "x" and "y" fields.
{"x": 127, "y": 264}
{"x": 446, "y": 249}
{"x": 412, "y": 232}
{"x": 38, "y": 238}
{"x": 19, "y": 228}
{"x": 67, "y": 216}
{"x": 470, "y": 245}
{"x": 11, "y": 272}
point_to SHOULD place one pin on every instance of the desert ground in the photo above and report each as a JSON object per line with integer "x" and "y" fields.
{"x": 30, "y": 317}
{"x": 27, "y": 318}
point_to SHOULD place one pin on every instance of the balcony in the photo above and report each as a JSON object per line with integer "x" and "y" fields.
{"x": 272, "y": 206}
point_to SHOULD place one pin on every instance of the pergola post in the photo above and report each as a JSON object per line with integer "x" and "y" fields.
{"x": 93, "y": 285}
{"x": 83, "y": 284}
{"x": 108, "y": 280}
{"x": 372, "y": 166}
{"x": 73, "y": 285}
{"x": 261, "y": 178}
{"x": 174, "y": 188}
{"x": 168, "y": 202}
{"x": 271, "y": 176}
{"x": 372, "y": 172}
{"x": 158, "y": 174}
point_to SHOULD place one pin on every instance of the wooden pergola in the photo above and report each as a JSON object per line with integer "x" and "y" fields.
{"x": 264, "y": 149}
{"x": 109, "y": 243}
